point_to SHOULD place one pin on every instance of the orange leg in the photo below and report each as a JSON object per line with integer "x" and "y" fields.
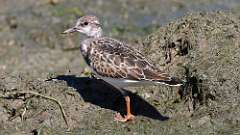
{"x": 129, "y": 115}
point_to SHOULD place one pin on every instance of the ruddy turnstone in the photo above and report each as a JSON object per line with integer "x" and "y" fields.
{"x": 116, "y": 62}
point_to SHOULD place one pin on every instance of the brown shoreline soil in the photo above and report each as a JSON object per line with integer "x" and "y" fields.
{"x": 202, "y": 49}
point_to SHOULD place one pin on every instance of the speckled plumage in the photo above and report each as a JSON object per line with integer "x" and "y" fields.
{"x": 114, "y": 59}
{"x": 116, "y": 62}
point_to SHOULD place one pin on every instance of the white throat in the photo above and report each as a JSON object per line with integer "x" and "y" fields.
{"x": 96, "y": 33}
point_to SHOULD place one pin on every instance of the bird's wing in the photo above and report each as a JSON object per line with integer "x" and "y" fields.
{"x": 112, "y": 58}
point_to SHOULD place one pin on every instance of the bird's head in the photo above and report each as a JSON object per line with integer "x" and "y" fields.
{"x": 88, "y": 25}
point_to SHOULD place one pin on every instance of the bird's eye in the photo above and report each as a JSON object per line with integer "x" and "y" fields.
{"x": 85, "y": 23}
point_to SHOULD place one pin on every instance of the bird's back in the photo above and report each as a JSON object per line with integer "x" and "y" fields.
{"x": 114, "y": 59}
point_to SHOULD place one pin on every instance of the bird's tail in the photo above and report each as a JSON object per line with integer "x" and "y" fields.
{"x": 173, "y": 81}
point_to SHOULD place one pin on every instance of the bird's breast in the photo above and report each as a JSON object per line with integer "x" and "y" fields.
{"x": 86, "y": 52}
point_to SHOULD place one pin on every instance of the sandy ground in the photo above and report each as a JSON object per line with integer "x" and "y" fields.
{"x": 202, "y": 48}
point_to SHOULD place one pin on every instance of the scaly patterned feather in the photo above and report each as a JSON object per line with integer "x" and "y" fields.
{"x": 111, "y": 58}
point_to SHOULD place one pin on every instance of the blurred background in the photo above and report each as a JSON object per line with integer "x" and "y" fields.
{"x": 32, "y": 50}
{"x": 30, "y": 30}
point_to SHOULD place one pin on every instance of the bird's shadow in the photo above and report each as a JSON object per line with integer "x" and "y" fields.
{"x": 102, "y": 94}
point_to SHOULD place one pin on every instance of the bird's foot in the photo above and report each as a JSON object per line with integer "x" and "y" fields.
{"x": 126, "y": 118}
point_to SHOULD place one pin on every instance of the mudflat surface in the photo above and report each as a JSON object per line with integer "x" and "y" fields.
{"x": 201, "y": 48}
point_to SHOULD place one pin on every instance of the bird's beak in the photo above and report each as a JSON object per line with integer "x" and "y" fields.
{"x": 70, "y": 30}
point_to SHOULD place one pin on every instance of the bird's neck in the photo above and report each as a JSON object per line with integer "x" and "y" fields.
{"x": 97, "y": 33}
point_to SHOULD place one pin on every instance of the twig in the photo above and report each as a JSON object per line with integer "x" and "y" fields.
{"x": 42, "y": 96}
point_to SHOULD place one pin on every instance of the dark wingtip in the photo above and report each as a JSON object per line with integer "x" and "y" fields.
{"x": 174, "y": 81}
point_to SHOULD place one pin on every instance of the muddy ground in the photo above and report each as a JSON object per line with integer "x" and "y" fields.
{"x": 201, "y": 48}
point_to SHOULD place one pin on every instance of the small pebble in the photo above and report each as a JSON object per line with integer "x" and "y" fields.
{"x": 12, "y": 22}
{"x": 53, "y": 2}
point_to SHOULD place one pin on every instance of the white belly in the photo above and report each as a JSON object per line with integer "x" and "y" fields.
{"x": 123, "y": 83}
{"x": 120, "y": 83}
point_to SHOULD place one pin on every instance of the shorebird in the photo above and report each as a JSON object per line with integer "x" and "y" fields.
{"x": 116, "y": 62}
